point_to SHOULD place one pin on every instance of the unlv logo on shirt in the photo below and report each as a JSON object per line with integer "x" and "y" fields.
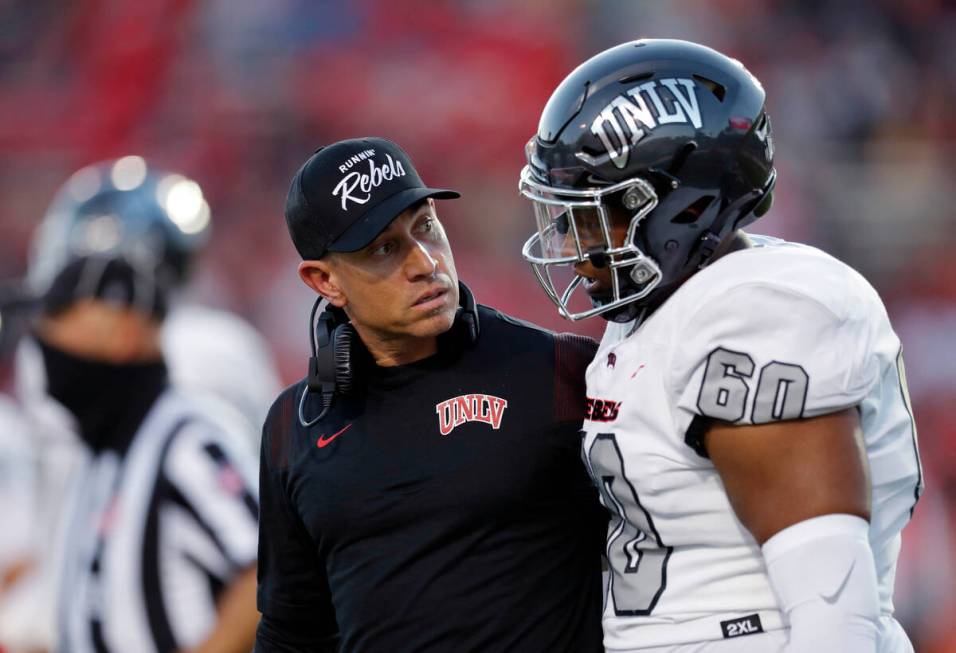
{"x": 470, "y": 408}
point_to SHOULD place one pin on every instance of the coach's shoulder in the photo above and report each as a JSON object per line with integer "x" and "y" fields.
{"x": 496, "y": 324}
{"x": 576, "y": 347}
{"x": 523, "y": 335}
{"x": 283, "y": 408}
{"x": 279, "y": 428}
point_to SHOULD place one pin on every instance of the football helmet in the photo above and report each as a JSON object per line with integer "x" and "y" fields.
{"x": 118, "y": 230}
{"x": 664, "y": 142}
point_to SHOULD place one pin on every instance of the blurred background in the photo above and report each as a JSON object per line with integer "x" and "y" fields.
{"x": 237, "y": 93}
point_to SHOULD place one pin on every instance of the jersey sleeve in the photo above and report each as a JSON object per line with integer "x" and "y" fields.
{"x": 761, "y": 353}
{"x": 215, "y": 482}
{"x": 17, "y": 479}
{"x": 293, "y": 594}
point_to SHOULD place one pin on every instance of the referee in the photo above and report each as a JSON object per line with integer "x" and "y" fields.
{"x": 159, "y": 540}
{"x": 436, "y": 500}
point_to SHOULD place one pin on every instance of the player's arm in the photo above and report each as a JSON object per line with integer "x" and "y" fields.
{"x": 773, "y": 378}
{"x": 17, "y": 498}
{"x": 779, "y": 474}
{"x": 801, "y": 488}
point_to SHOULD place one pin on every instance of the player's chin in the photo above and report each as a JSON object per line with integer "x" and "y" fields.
{"x": 600, "y": 297}
{"x": 434, "y": 322}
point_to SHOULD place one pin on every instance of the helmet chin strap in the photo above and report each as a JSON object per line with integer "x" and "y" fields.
{"x": 710, "y": 242}
{"x": 625, "y": 312}
{"x": 737, "y": 211}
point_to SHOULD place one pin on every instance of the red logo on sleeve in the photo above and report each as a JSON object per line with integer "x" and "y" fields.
{"x": 470, "y": 408}
{"x": 602, "y": 410}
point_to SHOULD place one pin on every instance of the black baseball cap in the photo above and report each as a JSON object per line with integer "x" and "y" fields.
{"x": 347, "y": 193}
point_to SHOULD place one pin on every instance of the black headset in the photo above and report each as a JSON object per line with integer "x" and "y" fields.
{"x": 333, "y": 339}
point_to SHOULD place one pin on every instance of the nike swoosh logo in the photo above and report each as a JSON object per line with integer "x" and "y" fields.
{"x": 834, "y": 596}
{"x": 324, "y": 441}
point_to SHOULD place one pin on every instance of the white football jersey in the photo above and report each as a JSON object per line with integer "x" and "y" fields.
{"x": 216, "y": 358}
{"x": 16, "y": 486}
{"x": 217, "y": 354}
{"x": 775, "y": 332}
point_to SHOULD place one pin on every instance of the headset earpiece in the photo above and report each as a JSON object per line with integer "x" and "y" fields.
{"x": 467, "y": 317}
{"x": 319, "y": 378}
{"x": 330, "y": 366}
{"x": 342, "y": 358}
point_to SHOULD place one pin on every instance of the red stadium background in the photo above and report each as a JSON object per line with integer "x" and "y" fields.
{"x": 236, "y": 93}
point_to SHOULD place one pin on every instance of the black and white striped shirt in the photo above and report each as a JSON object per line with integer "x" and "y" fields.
{"x": 155, "y": 533}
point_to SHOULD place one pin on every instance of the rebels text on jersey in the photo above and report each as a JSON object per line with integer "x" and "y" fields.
{"x": 775, "y": 332}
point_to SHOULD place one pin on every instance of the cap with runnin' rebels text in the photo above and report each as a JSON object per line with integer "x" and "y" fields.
{"x": 347, "y": 193}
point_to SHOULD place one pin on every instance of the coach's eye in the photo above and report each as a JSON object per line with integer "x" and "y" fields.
{"x": 384, "y": 249}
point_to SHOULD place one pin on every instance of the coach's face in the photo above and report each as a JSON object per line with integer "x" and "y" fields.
{"x": 400, "y": 288}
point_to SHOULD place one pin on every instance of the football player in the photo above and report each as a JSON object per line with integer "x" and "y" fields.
{"x": 159, "y": 221}
{"x": 214, "y": 355}
{"x": 748, "y": 420}
{"x": 146, "y": 499}
{"x": 16, "y": 477}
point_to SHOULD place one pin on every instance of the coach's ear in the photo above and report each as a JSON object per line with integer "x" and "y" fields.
{"x": 320, "y": 277}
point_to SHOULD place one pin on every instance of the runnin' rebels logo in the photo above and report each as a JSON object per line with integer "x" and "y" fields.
{"x": 357, "y": 186}
{"x": 640, "y": 109}
{"x": 470, "y": 408}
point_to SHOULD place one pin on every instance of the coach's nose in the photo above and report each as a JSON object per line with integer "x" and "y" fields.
{"x": 421, "y": 262}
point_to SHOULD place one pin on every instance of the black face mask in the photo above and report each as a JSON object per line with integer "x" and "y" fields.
{"x": 108, "y": 400}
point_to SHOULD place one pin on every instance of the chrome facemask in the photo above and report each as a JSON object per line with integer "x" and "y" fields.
{"x": 574, "y": 226}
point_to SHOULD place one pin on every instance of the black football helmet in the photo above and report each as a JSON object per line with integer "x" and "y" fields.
{"x": 118, "y": 230}
{"x": 671, "y": 135}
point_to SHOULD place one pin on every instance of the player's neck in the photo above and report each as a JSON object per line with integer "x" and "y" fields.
{"x": 739, "y": 241}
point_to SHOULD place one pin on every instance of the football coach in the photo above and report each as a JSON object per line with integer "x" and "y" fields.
{"x": 422, "y": 489}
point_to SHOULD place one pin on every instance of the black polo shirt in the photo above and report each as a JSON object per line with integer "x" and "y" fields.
{"x": 444, "y": 507}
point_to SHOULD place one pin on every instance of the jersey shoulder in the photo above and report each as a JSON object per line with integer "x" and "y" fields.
{"x": 218, "y": 353}
{"x": 14, "y": 434}
{"x": 190, "y": 331}
{"x": 792, "y": 272}
{"x": 204, "y": 420}
{"x": 776, "y": 316}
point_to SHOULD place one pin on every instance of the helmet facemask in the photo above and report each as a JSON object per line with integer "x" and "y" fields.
{"x": 673, "y": 132}
{"x": 575, "y": 226}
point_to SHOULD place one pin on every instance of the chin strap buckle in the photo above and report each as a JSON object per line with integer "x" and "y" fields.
{"x": 709, "y": 243}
